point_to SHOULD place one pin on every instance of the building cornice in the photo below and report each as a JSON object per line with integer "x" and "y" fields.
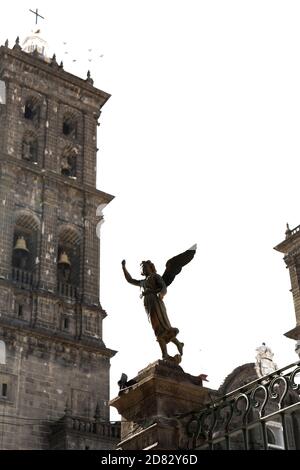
{"x": 56, "y": 72}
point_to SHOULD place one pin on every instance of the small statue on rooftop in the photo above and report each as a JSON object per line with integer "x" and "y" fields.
{"x": 154, "y": 288}
{"x": 264, "y": 361}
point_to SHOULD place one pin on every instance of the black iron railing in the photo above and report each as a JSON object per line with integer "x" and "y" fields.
{"x": 264, "y": 414}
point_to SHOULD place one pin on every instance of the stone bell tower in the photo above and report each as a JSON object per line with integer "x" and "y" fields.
{"x": 291, "y": 249}
{"x": 54, "y": 365}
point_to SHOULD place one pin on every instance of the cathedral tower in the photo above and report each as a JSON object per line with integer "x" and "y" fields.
{"x": 54, "y": 365}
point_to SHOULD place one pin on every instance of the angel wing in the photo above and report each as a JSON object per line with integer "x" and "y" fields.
{"x": 175, "y": 265}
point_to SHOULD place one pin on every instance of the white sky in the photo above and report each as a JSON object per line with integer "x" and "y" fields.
{"x": 200, "y": 144}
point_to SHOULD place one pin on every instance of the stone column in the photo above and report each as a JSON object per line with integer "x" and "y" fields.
{"x": 13, "y": 127}
{"x": 90, "y": 149}
{"x": 52, "y": 135}
{"x": 6, "y": 222}
{"x": 48, "y": 244}
{"x": 91, "y": 254}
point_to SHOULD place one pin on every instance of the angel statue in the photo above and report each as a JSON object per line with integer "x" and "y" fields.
{"x": 154, "y": 288}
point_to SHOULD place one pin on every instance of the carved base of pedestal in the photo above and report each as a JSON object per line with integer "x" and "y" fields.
{"x": 153, "y": 408}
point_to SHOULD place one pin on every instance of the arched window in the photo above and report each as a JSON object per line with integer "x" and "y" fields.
{"x": 2, "y": 353}
{"x": 68, "y": 261}
{"x": 69, "y": 127}
{"x": 30, "y": 148}
{"x": 24, "y": 249}
{"x": 69, "y": 162}
{"x": 32, "y": 110}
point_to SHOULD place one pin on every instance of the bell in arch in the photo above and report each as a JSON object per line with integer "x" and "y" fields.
{"x": 64, "y": 267}
{"x": 21, "y": 245}
{"x": 64, "y": 260}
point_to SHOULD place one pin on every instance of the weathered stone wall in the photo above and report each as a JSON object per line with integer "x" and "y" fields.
{"x": 55, "y": 355}
{"x": 42, "y": 376}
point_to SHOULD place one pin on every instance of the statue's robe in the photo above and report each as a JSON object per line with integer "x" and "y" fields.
{"x": 156, "y": 309}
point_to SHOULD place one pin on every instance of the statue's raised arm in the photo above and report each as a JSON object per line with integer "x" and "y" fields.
{"x": 154, "y": 289}
{"x": 128, "y": 278}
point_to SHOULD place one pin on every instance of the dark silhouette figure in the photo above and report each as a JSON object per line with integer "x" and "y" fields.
{"x": 154, "y": 288}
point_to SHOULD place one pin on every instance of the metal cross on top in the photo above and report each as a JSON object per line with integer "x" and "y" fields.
{"x": 36, "y": 13}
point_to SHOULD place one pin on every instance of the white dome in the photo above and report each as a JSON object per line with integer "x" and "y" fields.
{"x": 34, "y": 42}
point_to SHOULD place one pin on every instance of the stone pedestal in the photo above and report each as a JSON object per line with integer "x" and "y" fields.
{"x": 153, "y": 405}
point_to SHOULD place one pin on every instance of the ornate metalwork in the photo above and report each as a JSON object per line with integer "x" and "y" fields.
{"x": 263, "y": 414}
{"x": 240, "y": 412}
{"x": 294, "y": 386}
{"x": 262, "y": 403}
{"x": 274, "y": 389}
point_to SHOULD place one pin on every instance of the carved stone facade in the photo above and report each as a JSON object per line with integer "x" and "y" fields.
{"x": 56, "y": 366}
{"x": 291, "y": 249}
